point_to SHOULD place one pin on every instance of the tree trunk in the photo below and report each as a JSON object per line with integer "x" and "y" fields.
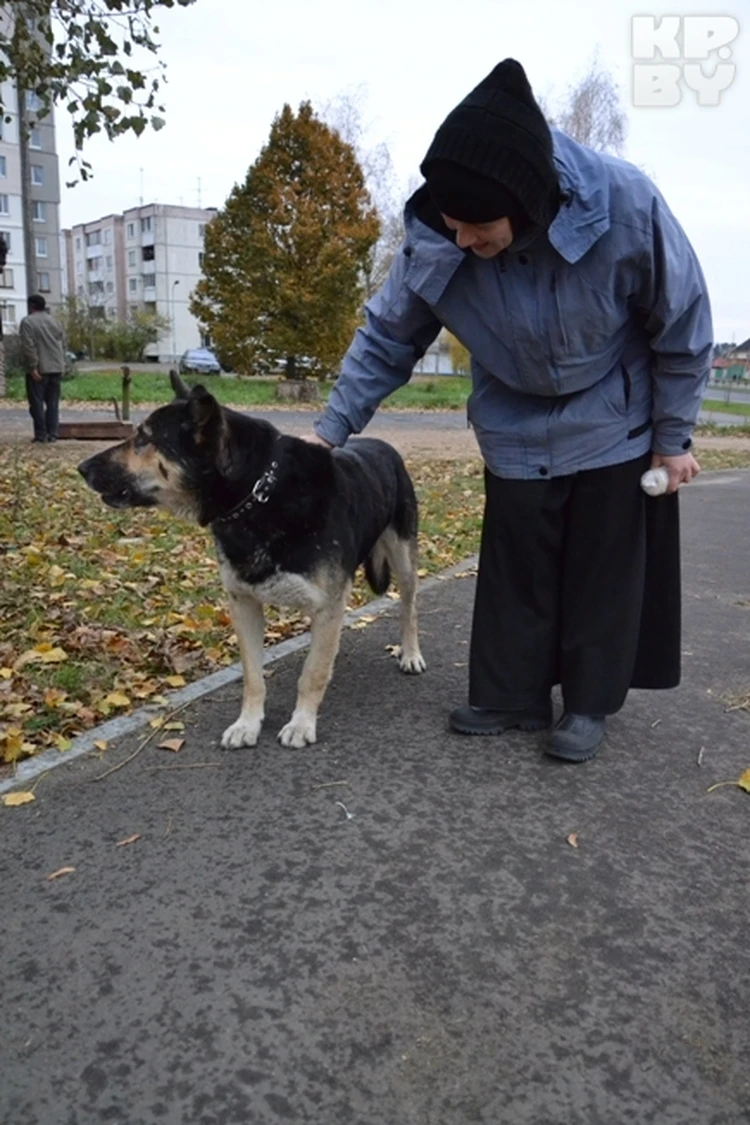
{"x": 298, "y": 390}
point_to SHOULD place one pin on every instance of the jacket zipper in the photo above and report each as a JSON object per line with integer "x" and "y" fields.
{"x": 558, "y": 309}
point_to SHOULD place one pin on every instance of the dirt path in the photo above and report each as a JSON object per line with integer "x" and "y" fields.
{"x": 435, "y": 434}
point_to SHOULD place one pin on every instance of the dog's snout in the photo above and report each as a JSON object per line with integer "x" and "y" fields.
{"x": 85, "y": 467}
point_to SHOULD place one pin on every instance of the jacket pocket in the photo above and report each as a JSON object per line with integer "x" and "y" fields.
{"x": 639, "y": 430}
{"x": 638, "y": 398}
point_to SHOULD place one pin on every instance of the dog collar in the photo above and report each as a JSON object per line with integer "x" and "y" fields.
{"x": 259, "y": 494}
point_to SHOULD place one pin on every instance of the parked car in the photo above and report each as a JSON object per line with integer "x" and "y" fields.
{"x": 201, "y": 361}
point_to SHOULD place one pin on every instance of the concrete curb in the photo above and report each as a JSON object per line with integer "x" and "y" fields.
{"x": 34, "y": 767}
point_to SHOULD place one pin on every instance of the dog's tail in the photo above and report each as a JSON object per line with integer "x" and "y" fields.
{"x": 377, "y": 569}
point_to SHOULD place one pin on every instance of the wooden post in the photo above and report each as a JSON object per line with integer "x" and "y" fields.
{"x": 126, "y": 379}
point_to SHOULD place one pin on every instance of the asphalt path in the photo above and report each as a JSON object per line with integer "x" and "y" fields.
{"x": 399, "y": 926}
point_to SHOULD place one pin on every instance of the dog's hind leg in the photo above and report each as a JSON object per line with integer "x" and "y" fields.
{"x": 325, "y": 637}
{"x": 402, "y": 559}
{"x": 249, "y": 623}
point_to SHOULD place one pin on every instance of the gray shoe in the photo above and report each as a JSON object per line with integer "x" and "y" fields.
{"x": 481, "y": 720}
{"x": 576, "y": 738}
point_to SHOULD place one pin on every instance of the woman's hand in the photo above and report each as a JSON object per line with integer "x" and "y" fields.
{"x": 313, "y": 437}
{"x": 681, "y": 469}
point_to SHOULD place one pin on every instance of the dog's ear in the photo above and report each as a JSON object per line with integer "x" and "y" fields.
{"x": 205, "y": 412}
{"x": 180, "y": 389}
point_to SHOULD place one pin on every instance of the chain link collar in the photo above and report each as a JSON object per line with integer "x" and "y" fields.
{"x": 259, "y": 494}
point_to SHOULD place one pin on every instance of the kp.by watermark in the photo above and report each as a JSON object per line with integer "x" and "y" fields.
{"x": 693, "y": 53}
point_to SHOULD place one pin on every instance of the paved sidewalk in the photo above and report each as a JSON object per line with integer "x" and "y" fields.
{"x": 394, "y": 927}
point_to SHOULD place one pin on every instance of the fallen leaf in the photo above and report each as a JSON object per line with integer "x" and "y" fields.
{"x": 572, "y": 839}
{"x": 174, "y": 725}
{"x": 128, "y": 840}
{"x": 175, "y": 681}
{"x": 101, "y": 744}
{"x": 173, "y": 744}
{"x": 6, "y": 673}
{"x": 117, "y": 699}
{"x": 12, "y": 800}
{"x": 60, "y": 871}
{"x": 742, "y": 782}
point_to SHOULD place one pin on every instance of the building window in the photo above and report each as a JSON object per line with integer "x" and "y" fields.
{"x": 38, "y": 211}
{"x": 148, "y": 253}
{"x": 133, "y": 285}
{"x": 4, "y": 208}
{"x": 3, "y": 166}
{"x": 41, "y": 248}
{"x": 44, "y": 286}
{"x": 94, "y": 238}
{"x": 5, "y": 235}
{"x": 200, "y": 261}
{"x": 35, "y": 138}
{"x": 110, "y": 287}
{"x": 79, "y": 268}
{"x": 33, "y": 101}
{"x": 145, "y": 225}
{"x": 78, "y": 245}
{"x": 37, "y": 175}
{"x": 6, "y": 279}
{"x": 149, "y": 280}
{"x": 109, "y": 261}
{"x": 95, "y": 264}
{"x": 131, "y": 230}
{"x": 131, "y": 257}
{"x": 108, "y": 237}
{"x": 8, "y": 313}
{"x": 201, "y": 230}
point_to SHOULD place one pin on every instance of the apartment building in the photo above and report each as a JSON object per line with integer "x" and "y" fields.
{"x": 150, "y": 257}
{"x": 45, "y": 203}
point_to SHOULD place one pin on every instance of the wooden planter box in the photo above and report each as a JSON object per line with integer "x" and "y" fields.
{"x": 96, "y": 431}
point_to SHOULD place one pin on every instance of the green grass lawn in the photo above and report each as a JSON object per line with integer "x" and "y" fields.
{"x": 722, "y": 407}
{"x": 147, "y": 387}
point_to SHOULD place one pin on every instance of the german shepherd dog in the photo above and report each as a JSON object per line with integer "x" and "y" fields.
{"x": 291, "y": 521}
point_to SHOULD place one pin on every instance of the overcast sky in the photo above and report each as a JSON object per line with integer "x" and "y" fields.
{"x": 233, "y": 63}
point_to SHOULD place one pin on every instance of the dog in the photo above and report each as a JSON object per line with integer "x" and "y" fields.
{"x": 291, "y": 522}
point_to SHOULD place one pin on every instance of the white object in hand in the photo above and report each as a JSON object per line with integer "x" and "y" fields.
{"x": 655, "y": 481}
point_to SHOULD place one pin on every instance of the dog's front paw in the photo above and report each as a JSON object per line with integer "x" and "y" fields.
{"x": 412, "y": 663}
{"x": 298, "y": 732}
{"x": 242, "y": 733}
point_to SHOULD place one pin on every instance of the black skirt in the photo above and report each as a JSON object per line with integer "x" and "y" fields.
{"x": 579, "y": 584}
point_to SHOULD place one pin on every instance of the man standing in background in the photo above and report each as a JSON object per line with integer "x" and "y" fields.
{"x": 44, "y": 359}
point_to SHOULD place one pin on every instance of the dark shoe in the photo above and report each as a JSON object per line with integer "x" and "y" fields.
{"x": 38, "y": 440}
{"x": 479, "y": 720}
{"x": 52, "y": 437}
{"x": 576, "y": 738}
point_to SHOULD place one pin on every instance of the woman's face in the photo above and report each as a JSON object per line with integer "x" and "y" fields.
{"x": 483, "y": 239}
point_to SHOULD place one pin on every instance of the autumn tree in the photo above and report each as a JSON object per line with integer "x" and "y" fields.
{"x": 284, "y": 259}
{"x": 83, "y": 55}
{"x": 459, "y": 353}
{"x": 591, "y": 111}
{"x": 345, "y": 113}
